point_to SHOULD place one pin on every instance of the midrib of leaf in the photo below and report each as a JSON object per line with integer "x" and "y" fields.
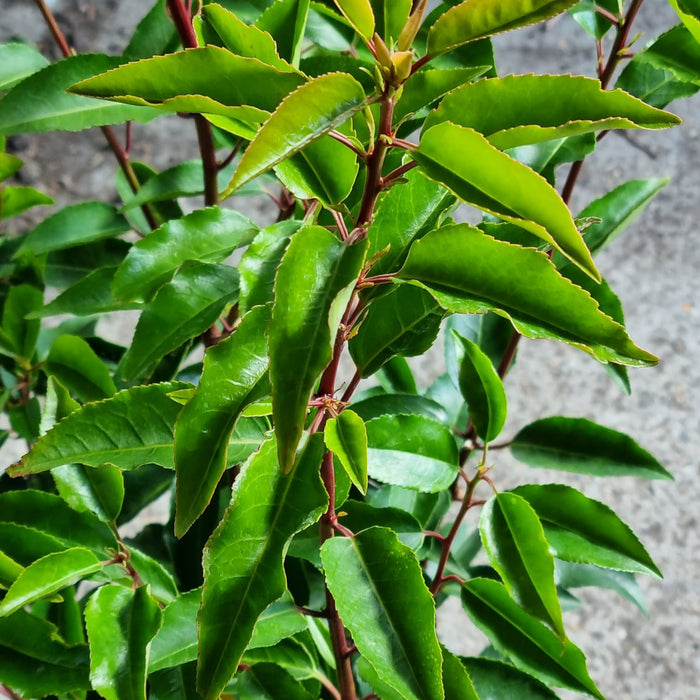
{"x": 321, "y": 180}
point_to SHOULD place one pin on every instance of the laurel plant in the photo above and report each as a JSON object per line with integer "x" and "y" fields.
{"x": 316, "y": 520}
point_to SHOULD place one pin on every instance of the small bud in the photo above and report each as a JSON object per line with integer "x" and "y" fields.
{"x": 410, "y": 30}
{"x": 402, "y": 61}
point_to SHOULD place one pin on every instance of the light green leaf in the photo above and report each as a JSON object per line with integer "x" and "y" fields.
{"x": 495, "y": 679}
{"x": 303, "y": 116}
{"x": 689, "y": 14}
{"x": 488, "y": 179}
{"x": 346, "y": 437}
{"x": 40, "y": 102}
{"x": 678, "y": 51}
{"x": 47, "y": 576}
{"x": 586, "y": 14}
{"x": 313, "y": 286}
{"x": 580, "y": 529}
{"x": 16, "y": 200}
{"x": 360, "y": 15}
{"x": 9, "y": 164}
{"x": 132, "y": 428}
{"x": 579, "y": 445}
{"x": 515, "y": 543}
{"x": 285, "y": 20}
{"x": 530, "y": 645}
{"x": 535, "y": 108}
{"x": 243, "y": 558}
{"x": 482, "y": 389}
{"x": 99, "y": 490}
{"x": 9, "y": 570}
{"x": 520, "y": 284}
{"x": 372, "y": 599}
{"x": 390, "y": 17}
{"x": 234, "y": 375}
{"x": 182, "y": 309}
{"x": 17, "y": 62}
{"x": 207, "y": 235}
{"x": 476, "y": 19}
{"x": 120, "y": 625}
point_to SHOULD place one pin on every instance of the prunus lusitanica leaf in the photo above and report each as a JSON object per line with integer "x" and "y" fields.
{"x": 346, "y": 437}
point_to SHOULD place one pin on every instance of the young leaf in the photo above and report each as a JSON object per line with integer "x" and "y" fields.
{"x": 580, "y": 529}
{"x": 132, "y": 428}
{"x": 40, "y": 102}
{"x": 313, "y": 286}
{"x": 305, "y": 115}
{"x": 390, "y": 17}
{"x": 372, "y": 599}
{"x": 182, "y": 309}
{"x": 234, "y": 375}
{"x": 120, "y": 625}
{"x": 346, "y": 437}
{"x": 496, "y": 679}
{"x": 579, "y": 445}
{"x": 530, "y": 645}
{"x": 16, "y": 200}
{"x": 482, "y": 389}
{"x": 285, "y": 20}
{"x": 515, "y": 543}
{"x": 243, "y": 558}
{"x": 207, "y": 235}
{"x": 360, "y": 15}
{"x": 520, "y": 284}
{"x": 17, "y": 62}
{"x": 481, "y": 175}
{"x": 476, "y": 19}
{"x": 47, "y": 576}
{"x": 411, "y": 451}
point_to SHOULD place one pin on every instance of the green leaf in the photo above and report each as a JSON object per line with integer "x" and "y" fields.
{"x": 9, "y": 164}
{"x": 305, "y": 115}
{"x": 396, "y": 376}
{"x": 387, "y": 404}
{"x": 313, "y": 286}
{"x": 411, "y": 451}
{"x": 515, "y": 543}
{"x": 285, "y": 20}
{"x": 16, "y": 200}
{"x": 99, "y": 490}
{"x": 458, "y": 684}
{"x": 360, "y": 15}
{"x": 17, "y": 62}
{"x": 190, "y": 81}
{"x": 234, "y": 375}
{"x": 132, "y": 428}
{"x": 520, "y": 284}
{"x": 404, "y": 322}
{"x": 9, "y": 570}
{"x": 676, "y": 51}
{"x": 495, "y": 679}
{"x": 476, "y": 19}
{"x": 579, "y": 445}
{"x": 291, "y": 655}
{"x": 243, "y": 558}
{"x": 259, "y": 263}
{"x": 182, "y": 309}
{"x": 535, "y": 108}
{"x": 358, "y": 516}
{"x": 120, "y": 625}
{"x": 73, "y": 225}
{"x": 154, "y": 34}
{"x": 372, "y": 599}
{"x": 40, "y": 102}
{"x": 427, "y": 508}
{"x": 346, "y": 437}
{"x": 47, "y": 576}
{"x": 587, "y": 15}
{"x": 482, "y": 389}
{"x": 267, "y": 681}
{"x": 207, "y": 235}
{"x": 690, "y": 15}
{"x": 488, "y": 179}
{"x": 580, "y": 529}
{"x": 74, "y": 363}
{"x": 530, "y": 645}
{"x": 66, "y": 267}
{"x": 390, "y": 18}
{"x": 20, "y": 334}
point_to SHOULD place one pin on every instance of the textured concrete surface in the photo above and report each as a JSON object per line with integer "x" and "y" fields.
{"x": 653, "y": 270}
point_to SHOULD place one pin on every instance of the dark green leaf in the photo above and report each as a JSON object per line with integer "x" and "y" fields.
{"x": 677, "y": 51}
{"x": 285, "y": 20}
{"x": 99, "y": 490}
{"x": 17, "y": 62}
{"x": 595, "y": 23}
{"x": 66, "y": 267}
{"x": 359, "y": 516}
{"x": 290, "y": 654}
{"x": 458, "y": 684}
{"x": 389, "y": 404}
{"x": 267, "y": 681}
{"x": 427, "y": 508}
{"x": 372, "y": 599}
{"x": 690, "y": 15}
{"x": 20, "y": 334}
{"x": 16, "y": 200}
{"x": 390, "y": 17}
{"x": 346, "y": 437}
{"x": 494, "y": 680}
{"x": 154, "y": 34}
{"x": 397, "y": 377}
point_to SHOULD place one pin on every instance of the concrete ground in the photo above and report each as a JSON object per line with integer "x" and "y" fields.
{"x": 653, "y": 270}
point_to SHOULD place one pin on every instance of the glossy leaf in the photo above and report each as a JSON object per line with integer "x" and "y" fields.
{"x": 494, "y": 679}
{"x": 535, "y": 108}
{"x": 19, "y": 334}
{"x": 132, "y": 428}
{"x": 427, "y": 508}
{"x": 488, "y": 179}
{"x": 358, "y": 516}
{"x": 595, "y": 23}
{"x": 372, "y": 599}
{"x": 99, "y": 490}
{"x": 455, "y": 678}
{"x": 519, "y": 284}
{"x": 66, "y": 267}
{"x": 9, "y": 570}
{"x": 515, "y": 543}
{"x": 530, "y": 645}
{"x": 120, "y": 625}
{"x": 579, "y": 445}
{"x": 387, "y": 404}
{"x": 677, "y": 51}
{"x": 305, "y": 115}
{"x": 390, "y": 17}
{"x": 313, "y": 286}
{"x": 290, "y": 654}
{"x": 360, "y": 15}
{"x": 243, "y": 559}
{"x": 234, "y": 375}
{"x": 182, "y": 309}
{"x": 404, "y": 322}
{"x": 16, "y": 200}
{"x": 482, "y": 389}
{"x": 411, "y": 451}
{"x": 17, "y": 62}
{"x": 267, "y": 681}
{"x": 476, "y": 19}
{"x": 690, "y": 16}
{"x": 346, "y": 437}
{"x": 47, "y": 576}
{"x": 580, "y": 529}
{"x": 207, "y": 235}
{"x": 154, "y": 34}
{"x": 285, "y": 20}
{"x": 40, "y": 102}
